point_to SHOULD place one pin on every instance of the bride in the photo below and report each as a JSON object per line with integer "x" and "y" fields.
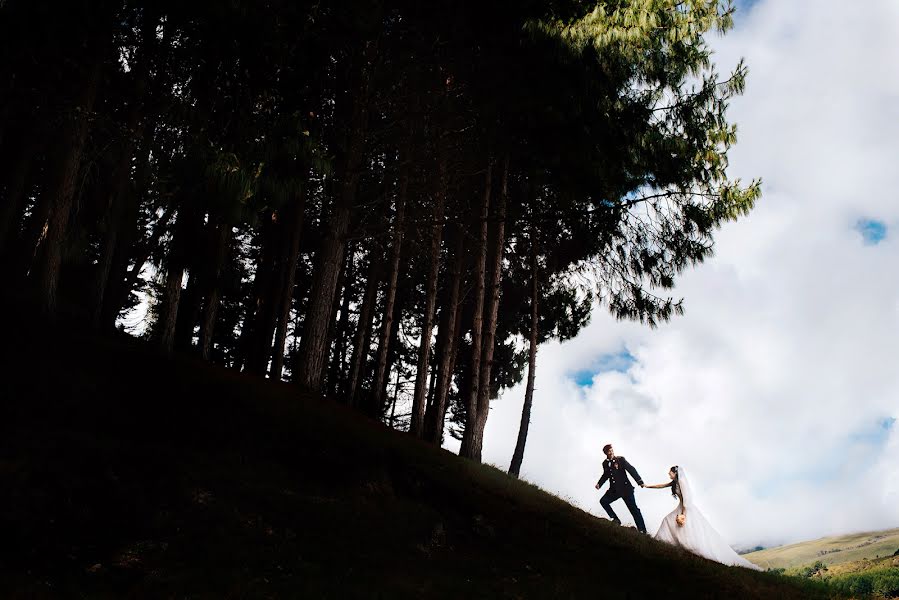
{"x": 686, "y": 527}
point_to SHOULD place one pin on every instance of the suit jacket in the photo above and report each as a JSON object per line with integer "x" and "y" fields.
{"x": 616, "y": 470}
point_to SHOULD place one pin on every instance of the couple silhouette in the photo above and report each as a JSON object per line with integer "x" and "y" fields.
{"x": 615, "y": 470}
{"x": 685, "y": 526}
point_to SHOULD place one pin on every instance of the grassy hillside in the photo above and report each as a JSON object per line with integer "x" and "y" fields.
{"x": 830, "y": 550}
{"x": 868, "y": 564}
{"x": 877, "y": 578}
{"x": 126, "y": 474}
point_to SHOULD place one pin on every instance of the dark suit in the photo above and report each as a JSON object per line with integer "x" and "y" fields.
{"x": 615, "y": 471}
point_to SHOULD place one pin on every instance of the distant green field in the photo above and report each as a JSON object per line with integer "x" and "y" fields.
{"x": 830, "y": 550}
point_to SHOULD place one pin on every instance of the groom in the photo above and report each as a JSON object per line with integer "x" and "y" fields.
{"x": 615, "y": 469}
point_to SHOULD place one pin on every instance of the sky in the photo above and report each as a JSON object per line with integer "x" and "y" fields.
{"x": 778, "y": 390}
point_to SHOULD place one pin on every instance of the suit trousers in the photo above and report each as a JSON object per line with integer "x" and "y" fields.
{"x": 628, "y": 496}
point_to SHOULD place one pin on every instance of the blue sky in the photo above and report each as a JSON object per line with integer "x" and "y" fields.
{"x": 778, "y": 388}
{"x": 872, "y": 230}
{"x": 875, "y": 435}
{"x": 842, "y": 463}
{"x": 743, "y": 9}
{"x": 618, "y": 362}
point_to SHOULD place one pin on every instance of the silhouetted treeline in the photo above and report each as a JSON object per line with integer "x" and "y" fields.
{"x": 392, "y": 203}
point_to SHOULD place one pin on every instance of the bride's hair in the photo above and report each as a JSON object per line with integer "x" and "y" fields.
{"x": 675, "y": 487}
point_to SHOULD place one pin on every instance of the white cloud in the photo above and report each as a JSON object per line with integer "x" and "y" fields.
{"x": 789, "y": 344}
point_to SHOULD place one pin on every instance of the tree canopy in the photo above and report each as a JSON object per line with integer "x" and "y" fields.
{"x": 368, "y": 199}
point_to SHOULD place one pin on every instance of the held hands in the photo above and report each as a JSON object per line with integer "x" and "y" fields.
{"x": 681, "y": 519}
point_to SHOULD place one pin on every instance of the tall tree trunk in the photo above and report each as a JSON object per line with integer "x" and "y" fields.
{"x": 262, "y": 323}
{"x": 221, "y": 239}
{"x": 278, "y": 279}
{"x": 313, "y": 350}
{"x": 63, "y": 166}
{"x": 116, "y": 208}
{"x": 396, "y": 393}
{"x": 121, "y": 288}
{"x": 449, "y": 344}
{"x": 190, "y": 305}
{"x": 244, "y": 338}
{"x": 196, "y": 262}
{"x": 518, "y": 454}
{"x": 432, "y": 376}
{"x": 119, "y": 280}
{"x": 171, "y": 300}
{"x": 107, "y": 313}
{"x": 177, "y": 261}
{"x": 297, "y": 327}
{"x": 289, "y": 278}
{"x": 313, "y": 354}
{"x": 416, "y": 424}
{"x": 492, "y": 312}
{"x": 469, "y": 447}
{"x": 115, "y": 214}
{"x": 393, "y": 355}
{"x": 362, "y": 339}
{"x": 340, "y": 324}
{"x": 376, "y": 403}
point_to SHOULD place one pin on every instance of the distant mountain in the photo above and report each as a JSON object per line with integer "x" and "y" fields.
{"x": 829, "y": 550}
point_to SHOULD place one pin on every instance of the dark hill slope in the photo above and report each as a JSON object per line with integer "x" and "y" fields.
{"x": 126, "y": 474}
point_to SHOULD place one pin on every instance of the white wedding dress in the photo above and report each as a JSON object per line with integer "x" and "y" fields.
{"x": 697, "y": 535}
